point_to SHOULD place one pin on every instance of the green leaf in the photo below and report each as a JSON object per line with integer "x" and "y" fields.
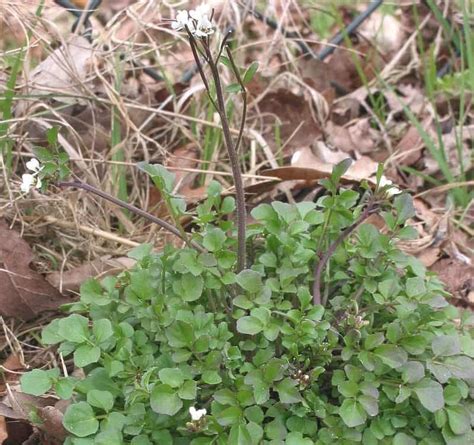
{"x": 413, "y": 372}
{"x": 214, "y": 239}
{"x": 415, "y": 344}
{"x": 108, "y": 437}
{"x": 415, "y": 286}
{"x": 64, "y": 387}
{"x": 430, "y": 394}
{"x": 211, "y": 377}
{"x": 233, "y": 88}
{"x": 348, "y": 389}
{"x": 74, "y": 328}
{"x": 229, "y": 416}
{"x": 407, "y": 233}
{"x": 404, "y": 206}
{"x": 225, "y": 397}
{"x": 446, "y": 345}
{"x": 162, "y": 178}
{"x": 403, "y": 439}
{"x": 85, "y": 355}
{"x": 263, "y": 212}
{"x": 92, "y": 292}
{"x": 102, "y": 330}
{"x": 140, "y": 252}
{"x": 79, "y": 419}
{"x": 370, "y": 404}
{"x": 100, "y": 399}
{"x": 164, "y": 400}
{"x": 180, "y": 334}
{"x": 250, "y": 72}
{"x": 239, "y": 435}
{"x": 352, "y": 413}
{"x": 459, "y": 419}
{"x": 192, "y": 287}
{"x": 250, "y": 280}
{"x": 171, "y": 376}
{"x": 374, "y": 340}
{"x": 188, "y": 390}
{"x": 339, "y": 170}
{"x": 249, "y": 325}
{"x": 288, "y": 391}
{"x": 391, "y": 355}
{"x": 36, "y": 382}
{"x": 50, "y": 334}
{"x": 296, "y": 438}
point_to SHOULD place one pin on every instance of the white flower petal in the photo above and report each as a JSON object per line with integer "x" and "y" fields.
{"x": 27, "y": 182}
{"x": 38, "y": 183}
{"x": 197, "y": 414}
{"x": 33, "y": 165}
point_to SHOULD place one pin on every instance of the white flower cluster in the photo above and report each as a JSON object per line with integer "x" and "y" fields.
{"x": 196, "y": 414}
{"x": 392, "y": 190}
{"x": 30, "y": 180}
{"x": 196, "y": 21}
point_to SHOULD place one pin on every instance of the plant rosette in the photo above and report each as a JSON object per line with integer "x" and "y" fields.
{"x": 183, "y": 350}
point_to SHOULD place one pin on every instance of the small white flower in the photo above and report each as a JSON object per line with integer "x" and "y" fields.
{"x": 27, "y": 182}
{"x": 393, "y": 190}
{"x": 197, "y": 414}
{"x": 200, "y": 11}
{"x": 182, "y": 20}
{"x": 33, "y": 165}
{"x": 197, "y": 21}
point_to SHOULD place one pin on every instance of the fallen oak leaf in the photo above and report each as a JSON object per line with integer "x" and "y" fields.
{"x": 24, "y": 293}
{"x": 71, "y": 280}
{"x": 307, "y": 166}
{"x": 3, "y": 430}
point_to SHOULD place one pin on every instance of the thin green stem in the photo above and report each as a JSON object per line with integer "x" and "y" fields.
{"x": 320, "y": 265}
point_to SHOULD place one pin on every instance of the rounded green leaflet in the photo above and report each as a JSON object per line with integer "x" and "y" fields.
{"x": 352, "y": 413}
{"x": 171, "y": 376}
{"x": 85, "y": 355}
{"x": 296, "y": 438}
{"x": 36, "y": 382}
{"x": 430, "y": 394}
{"x": 403, "y": 439}
{"x": 100, "y": 399}
{"x": 249, "y": 325}
{"x": 74, "y": 328}
{"x": 164, "y": 400}
{"x": 79, "y": 419}
{"x": 250, "y": 280}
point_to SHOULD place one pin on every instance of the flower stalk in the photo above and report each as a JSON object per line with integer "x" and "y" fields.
{"x": 232, "y": 148}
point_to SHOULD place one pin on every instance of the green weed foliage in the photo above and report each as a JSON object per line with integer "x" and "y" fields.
{"x": 384, "y": 360}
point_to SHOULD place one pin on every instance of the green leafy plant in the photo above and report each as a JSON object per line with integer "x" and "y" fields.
{"x": 306, "y": 326}
{"x": 385, "y": 360}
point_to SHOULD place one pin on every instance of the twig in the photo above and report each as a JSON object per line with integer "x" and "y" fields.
{"x": 165, "y": 225}
{"x": 332, "y": 248}
{"x": 90, "y": 230}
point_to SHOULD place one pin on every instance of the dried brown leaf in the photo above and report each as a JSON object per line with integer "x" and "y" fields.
{"x": 3, "y": 430}
{"x": 71, "y": 280}
{"x": 293, "y": 114}
{"x": 458, "y": 276}
{"x": 24, "y": 293}
{"x": 63, "y": 73}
